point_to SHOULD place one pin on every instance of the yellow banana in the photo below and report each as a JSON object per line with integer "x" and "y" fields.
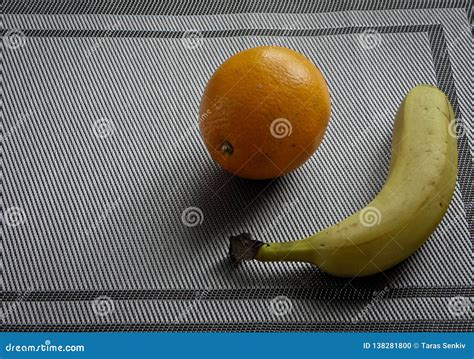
{"x": 405, "y": 212}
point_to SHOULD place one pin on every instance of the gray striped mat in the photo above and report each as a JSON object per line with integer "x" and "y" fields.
{"x": 101, "y": 162}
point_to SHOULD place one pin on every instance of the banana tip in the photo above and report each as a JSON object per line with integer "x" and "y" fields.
{"x": 243, "y": 247}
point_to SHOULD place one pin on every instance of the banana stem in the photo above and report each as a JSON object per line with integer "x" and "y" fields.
{"x": 243, "y": 247}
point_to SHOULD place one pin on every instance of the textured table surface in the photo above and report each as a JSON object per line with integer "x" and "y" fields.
{"x": 102, "y": 162}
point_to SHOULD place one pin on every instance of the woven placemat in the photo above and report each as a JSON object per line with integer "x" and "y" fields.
{"x": 102, "y": 164}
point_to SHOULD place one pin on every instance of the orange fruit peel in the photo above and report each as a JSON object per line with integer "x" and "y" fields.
{"x": 264, "y": 112}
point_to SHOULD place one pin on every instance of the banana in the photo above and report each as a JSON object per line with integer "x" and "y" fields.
{"x": 410, "y": 205}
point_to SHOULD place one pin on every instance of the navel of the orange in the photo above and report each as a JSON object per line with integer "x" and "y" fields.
{"x": 264, "y": 112}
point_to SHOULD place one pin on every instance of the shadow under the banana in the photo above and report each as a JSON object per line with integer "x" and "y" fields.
{"x": 304, "y": 278}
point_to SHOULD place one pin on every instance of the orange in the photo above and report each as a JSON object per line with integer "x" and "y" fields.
{"x": 264, "y": 112}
